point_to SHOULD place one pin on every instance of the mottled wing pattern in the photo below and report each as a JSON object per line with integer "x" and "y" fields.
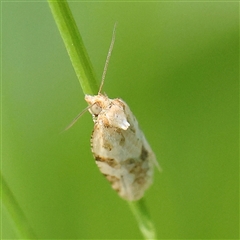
{"x": 123, "y": 156}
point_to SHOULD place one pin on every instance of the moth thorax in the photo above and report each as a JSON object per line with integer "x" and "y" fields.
{"x": 117, "y": 117}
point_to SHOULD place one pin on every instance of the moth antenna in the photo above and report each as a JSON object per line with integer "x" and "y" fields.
{"x": 77, "y": 117}
{"x": 108, "y": 57}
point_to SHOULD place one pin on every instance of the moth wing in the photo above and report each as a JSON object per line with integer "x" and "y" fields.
{"x": 135, "y": 127}
{"x": 123, "y": 156}
{"x": 152, "y": 156}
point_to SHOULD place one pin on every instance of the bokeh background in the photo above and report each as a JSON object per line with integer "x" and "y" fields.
{"x": 176, "y": 64}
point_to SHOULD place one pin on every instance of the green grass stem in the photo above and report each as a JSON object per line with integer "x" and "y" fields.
{"x": 74, "y": 45}
{"x": 83, "y": 68}
{"x": 143, "y": 218}
{"x": 21, "y": 224}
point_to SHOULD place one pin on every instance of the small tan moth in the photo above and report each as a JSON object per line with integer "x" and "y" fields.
{"x": 120, "y": 148}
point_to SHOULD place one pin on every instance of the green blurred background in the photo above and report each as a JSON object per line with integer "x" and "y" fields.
{"x": 177, "y": 67}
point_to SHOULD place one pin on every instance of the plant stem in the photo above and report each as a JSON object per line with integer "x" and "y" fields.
{"x": 81, "y": 63}
{"x": 23, "y": 227}
{"x": 142, "y": 216}
{"x": 74, "y": 45}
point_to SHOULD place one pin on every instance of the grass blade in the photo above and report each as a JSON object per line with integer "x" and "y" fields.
{"x": 143, "y": 218}
{"x": 81, "y": 63}
{"x": 74, "y": 45}
{"x": 18, "y": 218}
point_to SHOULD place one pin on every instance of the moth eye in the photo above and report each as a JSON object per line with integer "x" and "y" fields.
{"x": 95, "y": 109}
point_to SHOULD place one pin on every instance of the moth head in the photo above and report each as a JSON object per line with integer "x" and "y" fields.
{"x": 95, "y": 109}
{"x": 97, "y": 103}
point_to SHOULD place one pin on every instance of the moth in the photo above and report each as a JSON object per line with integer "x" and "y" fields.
{"x": 120, "y": 148}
